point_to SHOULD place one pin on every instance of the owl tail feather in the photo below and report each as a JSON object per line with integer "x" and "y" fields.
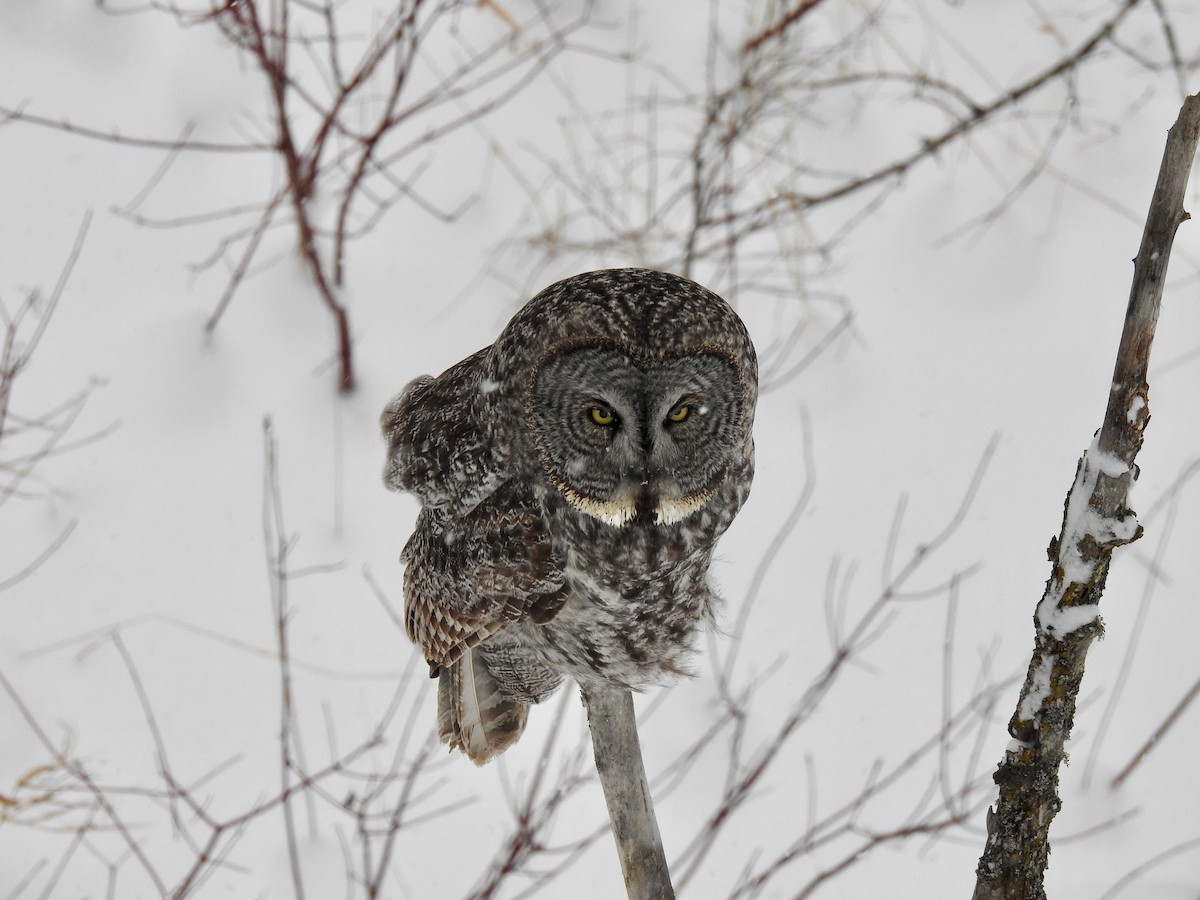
{"x": 474, "y": 716}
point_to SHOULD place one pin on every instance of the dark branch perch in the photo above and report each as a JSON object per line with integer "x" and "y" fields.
{"x": 626, "y": 792}
{"x": 1096, "y": 520}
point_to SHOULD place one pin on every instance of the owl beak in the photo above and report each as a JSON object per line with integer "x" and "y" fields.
{"x": 645, "y": 504}
{"x": 643, "y": 479}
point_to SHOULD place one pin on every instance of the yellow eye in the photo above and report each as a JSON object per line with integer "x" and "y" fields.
{"x": 602, "y": 415}
{"x": 679, "y": 413}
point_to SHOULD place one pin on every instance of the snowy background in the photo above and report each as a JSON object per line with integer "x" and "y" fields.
{"x": 986, "y": 307}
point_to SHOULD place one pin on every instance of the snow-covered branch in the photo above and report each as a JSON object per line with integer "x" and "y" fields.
{"x": 1096, "y": 521}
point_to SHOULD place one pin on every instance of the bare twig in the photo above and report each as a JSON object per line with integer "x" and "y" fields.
{"x": 1156, "y": 736}
{"x": 365, "y": 123}
{"x": 1156, "y": 860}
{"x": 345, "y": 139}
{"x": 13, "y": 358}
{"x": 534, "y": 810}
{"x": 778, "y": 27}
{"x": 736, "y": 204}
{"x": 34, "y": 564}
{"x": 765, "y": 214}
{"x": 278, "y": 547}
{"x": 114, "y": 136}
{"x": 747, "y": 775}
{"x": 15, "y": 353}
{"x": 77, "y": 771}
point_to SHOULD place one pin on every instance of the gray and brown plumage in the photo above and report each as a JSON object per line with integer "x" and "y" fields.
{"x": 574, "y": 478}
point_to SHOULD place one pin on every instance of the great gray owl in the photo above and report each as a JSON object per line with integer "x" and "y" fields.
{"x": 574, "y": 478}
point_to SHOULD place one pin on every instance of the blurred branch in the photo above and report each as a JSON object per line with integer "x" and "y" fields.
{"x": 753, "y": 219}
{"x": 1096, "y": 520}
{"x": 752, "y": 183}
{"x": 1157, "y": 734}
{"x": 749, "y": 772}
{"x": 782, "y": 24}
{"x": 34, "y": 564}
{"x": 378, "y": 801}
{"x": 338, "y": 145}
{"x": 1157, "y": 860}
{"x": 10, "y": 115}
{"x": 278, "y": 547}
{"x": 527, "y": 851}
{"x": 79, "y": 773}
{"x": 847, "y": 822}
{"x": 15, "y": 356}
{"x": 343, "y": 124}
{"x": 49, "y": 430}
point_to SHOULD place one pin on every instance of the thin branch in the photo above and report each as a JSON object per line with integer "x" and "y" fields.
{"x": 745, "y": 777}
{"x": 78, "y": 772}
{"x": 34, "y": 564}
{"x": 777, "y": 28}
{"x": 756, "y": 219}
{"x": 1156, "y": 736}
{"x": 278, "y": 547}
{"x": 1157, "y": 859}
{"x": 8, "y": 115}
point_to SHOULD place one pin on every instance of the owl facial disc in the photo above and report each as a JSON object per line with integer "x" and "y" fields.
{"x": 627, "y": 439}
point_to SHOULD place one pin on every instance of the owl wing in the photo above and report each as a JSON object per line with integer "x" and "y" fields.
{"x": 480, "y": 558}
{"x": 437, "y": 448}
{"x": 471, "y": 576}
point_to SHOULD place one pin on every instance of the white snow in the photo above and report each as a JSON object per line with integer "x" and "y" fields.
{"x": 1136, "y": 405}
{"x": 1032, "y": 702}
{"x": 1083, "y": 521}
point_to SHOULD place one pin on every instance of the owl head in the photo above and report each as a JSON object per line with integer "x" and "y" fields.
{"x": 637, "y": 389}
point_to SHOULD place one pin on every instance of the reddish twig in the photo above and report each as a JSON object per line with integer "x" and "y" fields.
{"x": 782, "y": 24}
